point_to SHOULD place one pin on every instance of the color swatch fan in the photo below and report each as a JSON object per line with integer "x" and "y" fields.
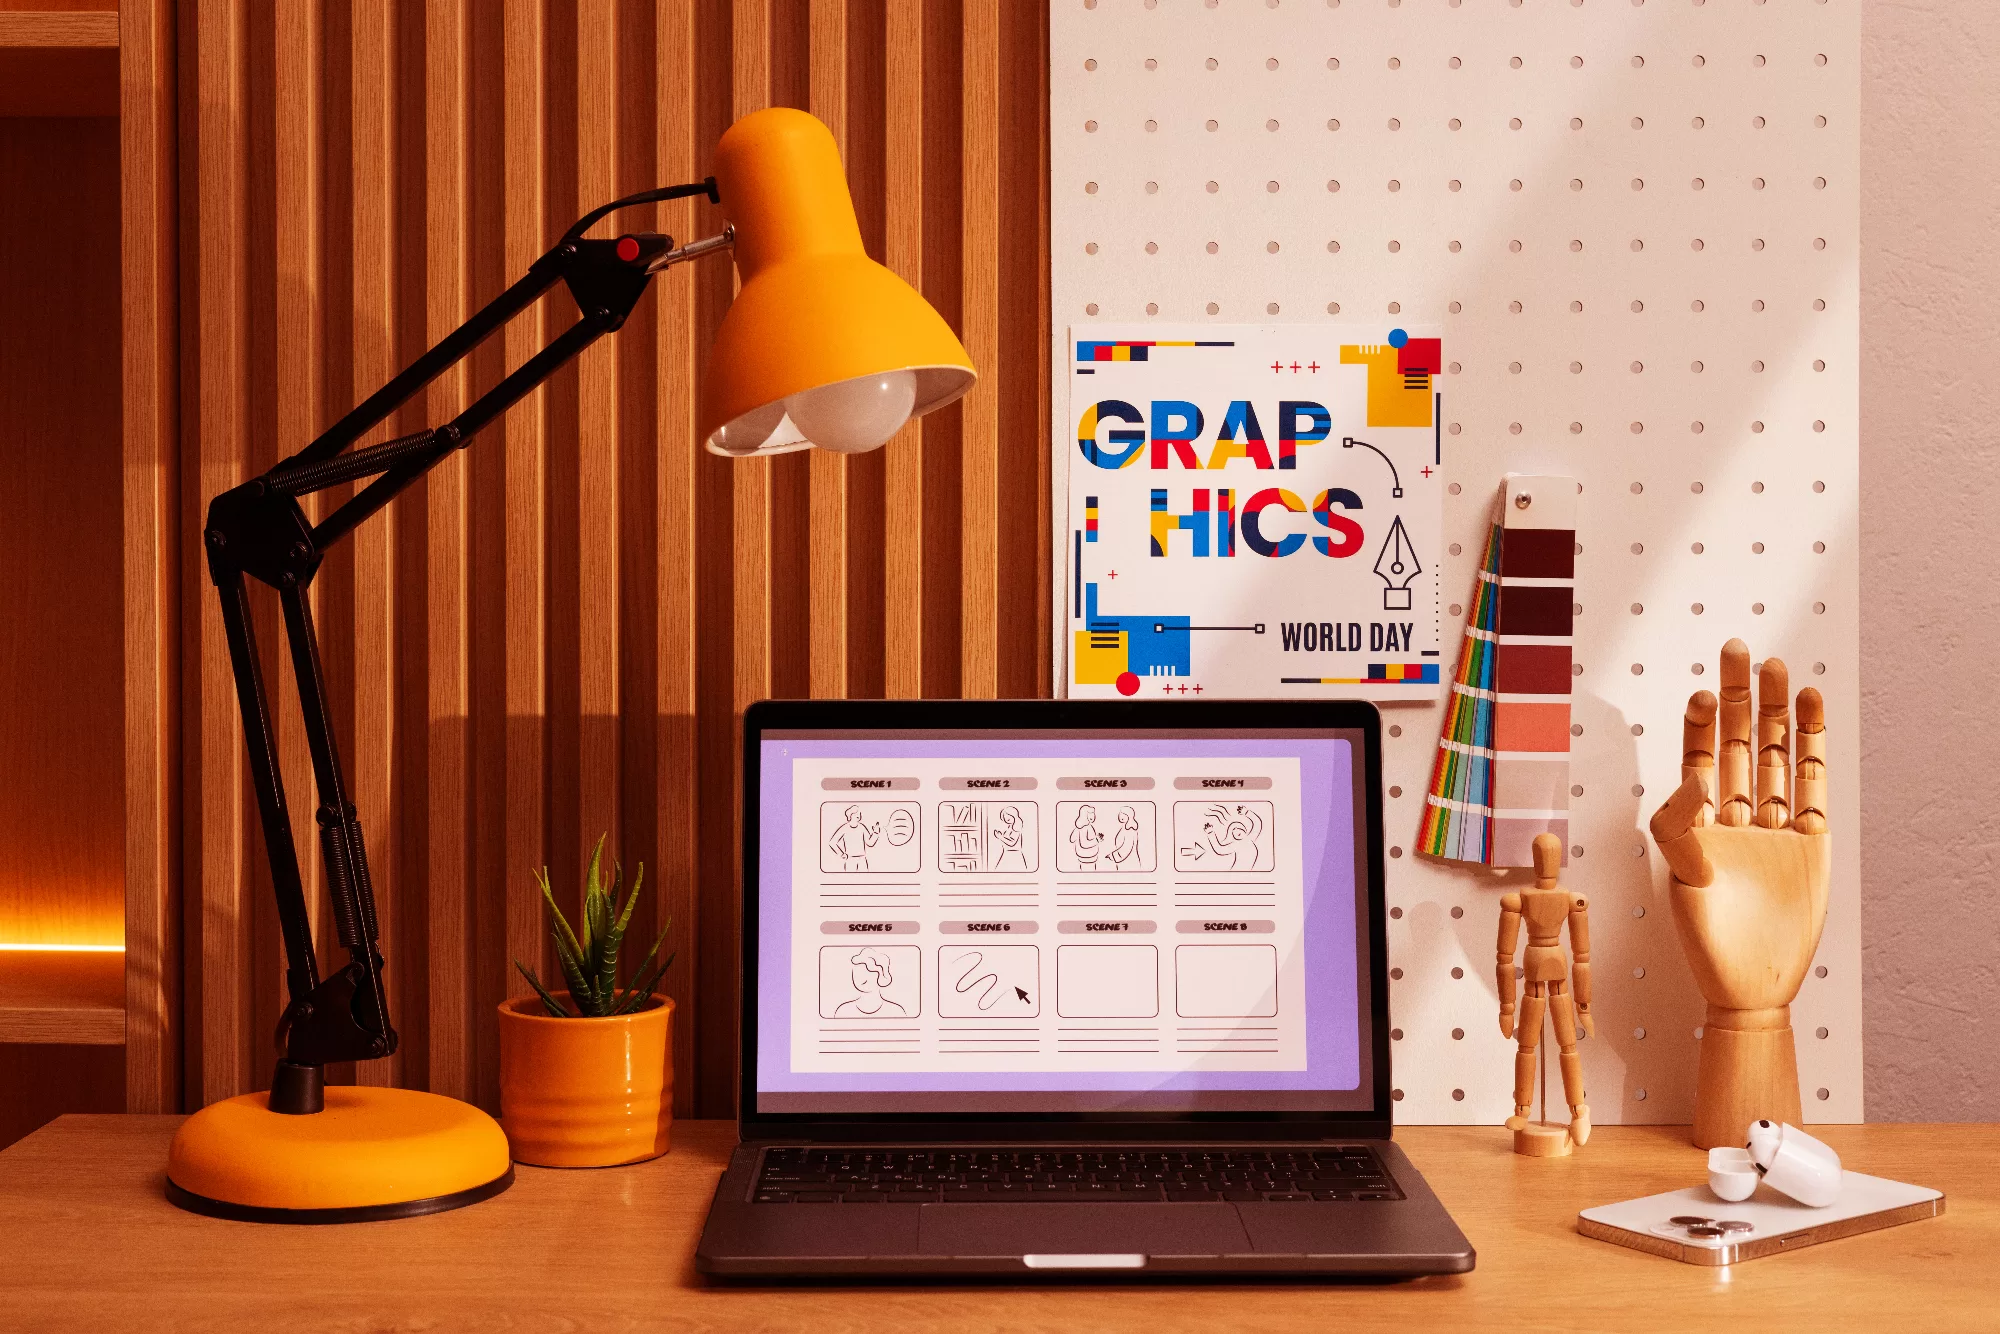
{"x": 1502, "y": 770}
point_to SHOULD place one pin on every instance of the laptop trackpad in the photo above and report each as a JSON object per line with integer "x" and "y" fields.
{"x": 1081, "y": 1229}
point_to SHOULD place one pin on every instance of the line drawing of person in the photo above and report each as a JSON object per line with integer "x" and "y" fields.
{"x": 851, "y": 841}
{"x": 1086, "y": 838}
{"x": 1012, "y": 839}
{"x": 872, "y": 972}
{"x": 1124, "y": 852}
{"x": 1229, "y": 834}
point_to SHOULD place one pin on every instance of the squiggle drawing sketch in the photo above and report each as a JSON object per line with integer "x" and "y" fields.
{"x": 1222, "y": 836}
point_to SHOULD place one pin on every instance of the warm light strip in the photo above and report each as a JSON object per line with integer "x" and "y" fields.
{"x": 70, "y": 949}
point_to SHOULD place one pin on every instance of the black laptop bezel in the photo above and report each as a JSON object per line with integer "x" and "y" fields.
{"x": 1061, "y": 715}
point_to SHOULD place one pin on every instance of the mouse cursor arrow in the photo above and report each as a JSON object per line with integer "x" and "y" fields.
{"x": 1022, "y": 994}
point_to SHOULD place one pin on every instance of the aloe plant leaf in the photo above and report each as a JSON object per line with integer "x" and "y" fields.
{"x": 560, "y": 929}
{"x": 607, "y": 975}
{"x": 640, "y": 972}
{"x": 642, "y": 988}
{"x": 554, "y": 1006}
{"x": 579, "y": 986}
{"x": 593, "y": 904}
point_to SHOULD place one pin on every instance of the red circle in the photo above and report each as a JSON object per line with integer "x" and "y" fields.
{"x": 628, "y": 249}
{"x": 1128, "y": 683}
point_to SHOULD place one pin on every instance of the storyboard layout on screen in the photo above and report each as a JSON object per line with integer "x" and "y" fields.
{"x": 1061, "y": 916}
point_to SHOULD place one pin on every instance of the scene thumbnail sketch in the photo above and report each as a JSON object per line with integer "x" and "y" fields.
{"x": 870, "y": 981}
{"x": 988, "y": 836}
{"x": 1107, "y": 981}
{"x": 1226, "y": 981}
{"x": 987, "y": 981}
{"x": 1223, "y": 836}
{"x": 857, "y": 837}
{"x": 1096, "y": 837}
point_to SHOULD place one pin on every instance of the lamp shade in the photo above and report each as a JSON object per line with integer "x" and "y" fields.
{"x": 823, "y": 346}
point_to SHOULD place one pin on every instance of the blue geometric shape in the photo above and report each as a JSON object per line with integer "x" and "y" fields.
{"x": 1398, "y": 337}
{"x": 1155, "y": 645}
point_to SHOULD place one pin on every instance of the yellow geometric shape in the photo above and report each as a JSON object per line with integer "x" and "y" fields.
{"x": 1394, "y": 399}
{"x": 1099, "y": 657}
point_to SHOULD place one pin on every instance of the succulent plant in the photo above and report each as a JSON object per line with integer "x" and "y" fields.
{"x": 590, "y": 960}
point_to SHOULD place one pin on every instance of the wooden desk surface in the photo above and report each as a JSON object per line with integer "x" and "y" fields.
{"x": 87, "y": 1242}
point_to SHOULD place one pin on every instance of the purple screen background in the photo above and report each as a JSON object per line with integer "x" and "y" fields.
{"x": 1333, "y": 1006}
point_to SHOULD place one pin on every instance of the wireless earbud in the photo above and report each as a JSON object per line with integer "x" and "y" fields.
{"x": 1784, "y": 1158}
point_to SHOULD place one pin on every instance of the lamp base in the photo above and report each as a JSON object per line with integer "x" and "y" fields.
{"x": 373, "y": 1153}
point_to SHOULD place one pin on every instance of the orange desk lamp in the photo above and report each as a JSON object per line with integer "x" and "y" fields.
{"x": 823, "y": 347}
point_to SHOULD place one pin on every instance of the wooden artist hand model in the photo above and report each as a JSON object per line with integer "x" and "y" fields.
{"x": 1545, "y": 908}
{"x": 1750, "y": 876}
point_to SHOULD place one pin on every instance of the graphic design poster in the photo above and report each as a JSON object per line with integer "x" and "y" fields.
{"x": 1254, "y": 511}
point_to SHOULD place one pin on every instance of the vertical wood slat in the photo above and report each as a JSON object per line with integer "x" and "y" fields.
{"x": 597, "y": 95}
{"x": 827, "y": 535}
{"x": 371, "y": 762}
{"x": 448, "y": 739}
{"x": 219, "y": 186}
{"x": 526, "y": 687}
{"x": 674, "y": 515}
{"x": 903, "y": 244}
{"x": 495, "y": 559}
{"x": 979, "y": 475}
{"x": 148, "y": 322}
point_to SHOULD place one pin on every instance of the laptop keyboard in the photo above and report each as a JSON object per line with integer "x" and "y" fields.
{"x": 1057, "y": 1175}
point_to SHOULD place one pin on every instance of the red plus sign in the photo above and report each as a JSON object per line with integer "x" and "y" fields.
{"x": 1295, "y": 368}
{"x": 1197, "y": 690}
{"x": 1113, "y": 574}
{"x": 1314, "y": 368}
{"x": 1276, "y": 367}
{"x": 1425, "y": 470}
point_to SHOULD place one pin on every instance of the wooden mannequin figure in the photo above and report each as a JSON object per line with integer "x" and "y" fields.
{"x": 1546, "y": 907}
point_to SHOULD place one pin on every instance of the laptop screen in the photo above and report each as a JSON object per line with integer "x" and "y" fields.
{"x": 1101, "y": 921}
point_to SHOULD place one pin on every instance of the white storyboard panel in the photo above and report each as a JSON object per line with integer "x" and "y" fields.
{"x": 1254, "y": 511}
{"x": 1052, "y": 919}
{"x": 1638, "y": 224}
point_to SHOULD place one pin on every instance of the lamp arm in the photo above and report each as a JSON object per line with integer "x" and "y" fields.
{"x": 259, "y": 531}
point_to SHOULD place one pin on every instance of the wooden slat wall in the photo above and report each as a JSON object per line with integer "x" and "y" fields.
{"x": 555, "y": 635}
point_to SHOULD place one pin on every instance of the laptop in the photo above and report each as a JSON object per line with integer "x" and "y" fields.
{"x": 1067, "y": 988}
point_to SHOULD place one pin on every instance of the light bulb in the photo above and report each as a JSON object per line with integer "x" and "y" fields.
{"x": 757, "y": 430}
{"x": 854, "y": 416}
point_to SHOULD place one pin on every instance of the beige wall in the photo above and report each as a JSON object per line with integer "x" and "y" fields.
{"x": 1930, "y": 582}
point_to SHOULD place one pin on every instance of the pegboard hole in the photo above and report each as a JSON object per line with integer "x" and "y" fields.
{"x": 1454, "y": 63}
{"x": 1395, "y": 974}
{"x": 1395, "y": 1095}
{"x": 1270, "y": 247}
{"x": 1817, "y": 305}
{"x": 1514, "y": 246}
{"x": 1756, "y": 609}
{"x": 1638, "y": 608}
{"x": 1638, "y": 973}
{"x": 1333, "y": 124}
{"x": 1823, "y": 1095}
{"x": 1576, "y": 368}
{"x": 1457, "y": 913}
{"x": 1090, "y": 187}
{"x": 1395, "y": 852}
{"x": 1514, "y": 62}
{"x": 1211, "y": 126}
{"x": 1576, "y": 62}
{"x": 1695, "y": 244}
{"x": 1576, "y": 729}
{"x": 1638, "y": 306}
{"x": 1152, "y": 307}
{"x": 1514, "y": 367}
{"x": 1212, "y": 247}
{"x": 1152, "y": 247}
{"x": 1152, "y": 187}
{"x": 1454, "y": 186}
{"x": 1696, "y": 609}
{"x": 1695, "y": 487}
{"x": 1820, "y": 1033}
{"x": 1455, "y": 547}
{"x": 1271, "y": 308}
{"x": 1271, "y": 62}
{"x": 1576, "y": 789}
{"x": 1395, "y": 791}
{"x": 1213, "y": 186}
{"x": 1396, "y": 914}
{"x": 1514, "y": 184}
{"x": 1395, "y": 1035}
{"x": 1757, "y": 488}
{"x": 1698, "y": 669}
{"x": 1333, "y": 187}
{"x": 1697, "y": 307}
{"x": 1090, "y": 247}
{"x": 1638, "y": 729}
{"x": 1213, "y": 63}
{"x": 1638, "y": 548}
{"x": 1454, "y": 247}
{"x": 1395, "y": 729}
{"x": 1090, "y": 127}
{"x": 1395, "y": 123}
{"x": 1458, "y": 1095}
{"x": 1333, "y": 247}
{"x": 1639, "y": 910}
{"x": 1819, "y": 548}
{"x": 1150, "y": 62}
{"x": 1820, "y": 971}
{"x": 1458, "y": 1035}
{"x": 1395, "y": 186}
{"x": 1457, "y": 974}
{"x": 1514, "y": 307}
{"x": 1819, "y": 609}
{"x": 1395, "y": 247}
{"x": 1638, "y": 1095}
{"x": 1576, "y": 123}
{"x": 1696, "y": 427}
{"x": 1576, "y": 850}
{"x": 1213, "y": 308}
{"x": 1271, "y": 126}
{"x": 1090, "y": 64}
{"x": 1697, "y": 548}
{"x": 1576, "y": 669}
{"x": 1639, "y": 1033}
{"x": 1090, "y": 309}
{"x": 1819, "y": 669}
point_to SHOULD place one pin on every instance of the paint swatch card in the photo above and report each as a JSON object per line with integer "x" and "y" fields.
{"x": 1254, "y": 511}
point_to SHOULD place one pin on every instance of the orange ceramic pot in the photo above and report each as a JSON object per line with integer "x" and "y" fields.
{"x": 585, "y": 1092}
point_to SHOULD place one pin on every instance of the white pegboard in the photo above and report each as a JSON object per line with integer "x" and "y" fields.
{"x": 1637, "y": 220}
